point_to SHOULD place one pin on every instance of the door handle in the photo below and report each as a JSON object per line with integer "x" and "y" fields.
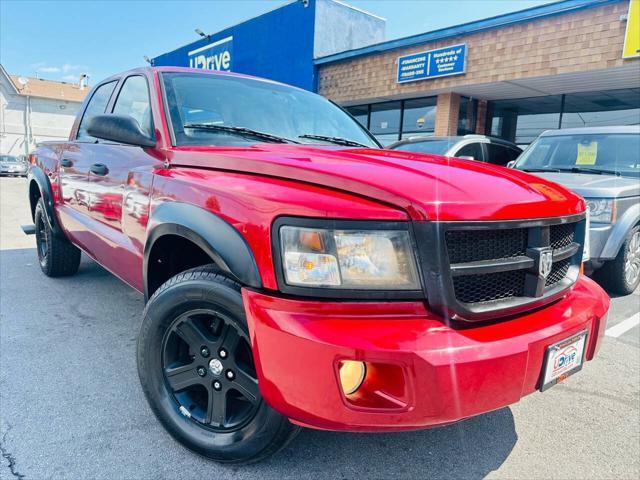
{"x": 66, "y": 163}
{"x": 99, "y": 169}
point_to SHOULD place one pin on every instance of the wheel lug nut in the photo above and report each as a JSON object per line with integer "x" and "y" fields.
{"x": 202, "y": 371}
{"x": 230, "y": 375}
{"x": 204, "y": 351}
{"x": 216, "y": 385}
{"x": 223, "y": 353}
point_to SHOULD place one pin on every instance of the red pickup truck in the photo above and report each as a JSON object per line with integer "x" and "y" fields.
{"x": 296, "y": 274}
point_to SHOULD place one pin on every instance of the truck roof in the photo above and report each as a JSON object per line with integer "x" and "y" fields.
{"x": 189, "y": 70}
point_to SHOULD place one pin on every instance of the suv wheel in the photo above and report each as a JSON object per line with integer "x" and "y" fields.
{"x": 622, "y": 275}
{"x": 57, "y": 256}
{"x": 196, "y": 368}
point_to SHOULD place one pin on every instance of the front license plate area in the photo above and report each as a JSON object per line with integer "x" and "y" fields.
{"x": 563, "y": 359}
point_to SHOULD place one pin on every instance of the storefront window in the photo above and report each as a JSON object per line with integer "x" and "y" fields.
{"x": 385, "y": 122}
{"x": 467, "y": 116}
{"x": 419, "y": 117}
{"x": 360, "y": 113}
{"x": 522, "y": 120}
{"x": 598, "y": 109}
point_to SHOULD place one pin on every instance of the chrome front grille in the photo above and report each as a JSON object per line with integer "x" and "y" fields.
{"x": 489, "y": 269}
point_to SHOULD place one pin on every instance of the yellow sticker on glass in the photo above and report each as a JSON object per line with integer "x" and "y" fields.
{"x": 587, "y": 153}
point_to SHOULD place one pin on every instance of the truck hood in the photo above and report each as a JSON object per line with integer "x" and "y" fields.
{"x": 596, "y": 186}
{"x": 427, "y": 187}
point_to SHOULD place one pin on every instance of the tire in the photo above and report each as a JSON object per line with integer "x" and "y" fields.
{"x": 57, "y": 256}
{"x": 195, "y": 309}
{"x": 622, "y": 275}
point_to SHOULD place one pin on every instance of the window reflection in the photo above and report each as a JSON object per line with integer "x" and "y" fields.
{"x": 360, "y": 113}
{"x": 598, "y": 109}
{"x": 419, "y": 117}
{"x": 385, "y": 121}
{"x": 522, "y": 120}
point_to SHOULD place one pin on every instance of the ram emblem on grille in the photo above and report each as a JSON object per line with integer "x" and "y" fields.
{"x": 546, "y": 262}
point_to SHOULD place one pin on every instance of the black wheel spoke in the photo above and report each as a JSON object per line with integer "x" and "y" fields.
{"x": 182, "y": 377}
{"x": 191, "y": 334}
{"x": 229, "y": 338}
{"x": 216, "y": 407}
{"x": 247, "y": 385}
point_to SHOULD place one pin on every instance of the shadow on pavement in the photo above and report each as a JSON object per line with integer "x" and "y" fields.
{"x": 469, "y": 449}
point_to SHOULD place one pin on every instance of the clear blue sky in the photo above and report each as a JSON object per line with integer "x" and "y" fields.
{"x": 61, "y": 39}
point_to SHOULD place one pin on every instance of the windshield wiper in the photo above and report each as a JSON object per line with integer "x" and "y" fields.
{"x": 540, "y": 170}
{"x": 336, "y": 140}
{"x": 240, "y": 131}
{"x": 599, "y": 171}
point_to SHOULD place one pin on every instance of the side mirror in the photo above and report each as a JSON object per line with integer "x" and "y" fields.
{"x": 466, "y": 157}
{"x": 511, "y": 164}
{"x": 119, "y": 128}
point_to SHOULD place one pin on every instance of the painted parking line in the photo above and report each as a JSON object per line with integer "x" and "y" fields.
{"x": 623, "y": 326}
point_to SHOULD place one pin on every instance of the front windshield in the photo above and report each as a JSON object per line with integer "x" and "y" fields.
{"x": 8, "y": 158}
{"x": 224, "y": 110}
{"x": 584, "y": 153}
{"x": 436, "y": 147}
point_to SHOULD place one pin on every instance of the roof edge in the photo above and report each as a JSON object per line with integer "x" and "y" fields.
{"x": 498, "y": 21}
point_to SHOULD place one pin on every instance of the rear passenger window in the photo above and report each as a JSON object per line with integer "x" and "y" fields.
{"x": 500, "y": 155}
{"x": 471, "y": 150}
{"x": 97, "y": 105}
{"x": 133, "y": 100}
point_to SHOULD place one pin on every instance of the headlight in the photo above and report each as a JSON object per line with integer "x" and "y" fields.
{"x": 348, "y": 259}
{"x": 602, "y": 210}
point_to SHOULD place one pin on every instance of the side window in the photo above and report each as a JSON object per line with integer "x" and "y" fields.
{"x": 133, "y": 100}
{"x": 499, "y": 155}
{"x": 97, "y": 105}
{"x": 471, "y": 150}
{"x": 513, "y": 153}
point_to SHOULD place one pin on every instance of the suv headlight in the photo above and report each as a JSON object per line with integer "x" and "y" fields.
{"x": 601, "y": 210}
{"x": 348, "y": 259}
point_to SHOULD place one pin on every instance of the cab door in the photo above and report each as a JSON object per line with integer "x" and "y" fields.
{"x": 76, "y": 157}
{"x": 119, "y": 187}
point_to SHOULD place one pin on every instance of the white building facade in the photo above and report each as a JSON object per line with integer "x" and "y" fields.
{"x": 34, "y": 110}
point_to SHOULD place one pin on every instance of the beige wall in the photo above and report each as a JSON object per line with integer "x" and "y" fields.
{"x": 590, "y": 39}
{"x": 48, "y": 119}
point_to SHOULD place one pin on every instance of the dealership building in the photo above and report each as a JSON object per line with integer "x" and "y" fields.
{"x": 566, "y": 64}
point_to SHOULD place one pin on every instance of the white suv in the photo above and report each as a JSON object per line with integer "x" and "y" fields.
{"x": 472, "y": 147}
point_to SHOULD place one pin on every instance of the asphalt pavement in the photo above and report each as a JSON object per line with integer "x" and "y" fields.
{"x": 71, "y": 405}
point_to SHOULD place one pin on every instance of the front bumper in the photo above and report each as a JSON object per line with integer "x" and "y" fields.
{"x": 599, "y": 233}
{"x": 423, "y": 372}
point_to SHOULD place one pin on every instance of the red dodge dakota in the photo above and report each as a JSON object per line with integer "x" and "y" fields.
{"x": 297, "y": 274}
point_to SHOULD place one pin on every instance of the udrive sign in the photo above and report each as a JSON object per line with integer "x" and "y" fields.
{"x": 215, "y": 56}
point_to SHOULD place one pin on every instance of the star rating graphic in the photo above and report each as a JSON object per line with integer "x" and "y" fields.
{"x": 449, "y": 59}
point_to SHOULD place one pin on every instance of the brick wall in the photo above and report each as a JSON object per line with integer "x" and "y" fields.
{"x": 590, "y": 39}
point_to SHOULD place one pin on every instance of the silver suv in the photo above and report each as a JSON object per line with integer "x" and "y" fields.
{"x": 603, "y": 165}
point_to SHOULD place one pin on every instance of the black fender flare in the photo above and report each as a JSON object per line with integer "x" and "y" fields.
{"x": 219, "y": 239}
{"x": 46, "y": 192}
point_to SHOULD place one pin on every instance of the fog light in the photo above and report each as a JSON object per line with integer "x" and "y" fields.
{"x": 351, "y": 375}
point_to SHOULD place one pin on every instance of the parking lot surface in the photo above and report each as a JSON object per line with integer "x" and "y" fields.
{"x": 71, "y": 405}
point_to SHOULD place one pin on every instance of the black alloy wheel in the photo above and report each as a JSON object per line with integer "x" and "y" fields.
{"x": 42, "y": 242}
{"x": 197, "y": 371}
{"x": 208, "y": 367}
{"x": 57, "y": 256}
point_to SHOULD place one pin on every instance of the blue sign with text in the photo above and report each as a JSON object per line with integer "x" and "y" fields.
{"x": 214, "y": 56}
{"x": 432, "y": 64}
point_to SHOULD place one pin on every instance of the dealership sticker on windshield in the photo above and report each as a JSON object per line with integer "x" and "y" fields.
{"x": 563, "y": 359}
{"x": 587, "y": 153}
